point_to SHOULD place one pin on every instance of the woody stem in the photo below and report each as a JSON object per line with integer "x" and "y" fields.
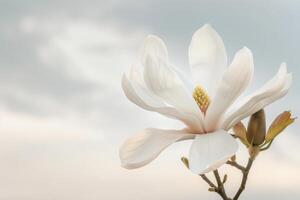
{"x": 244, "y": 179}
{"x": 219, "y": 188}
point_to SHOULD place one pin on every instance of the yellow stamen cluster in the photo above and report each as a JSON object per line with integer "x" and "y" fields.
{"x": 201, "y": 98}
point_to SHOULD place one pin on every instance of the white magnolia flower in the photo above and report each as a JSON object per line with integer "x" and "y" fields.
{"x": 207, "y": 107}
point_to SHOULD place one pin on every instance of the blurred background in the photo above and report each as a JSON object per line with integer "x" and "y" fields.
{"x": 63, "y": 114}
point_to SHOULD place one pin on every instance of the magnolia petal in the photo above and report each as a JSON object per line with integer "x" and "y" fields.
{"x": 234, "y": 81}
{"x": 162, "y": 80}
{"x": 207, "y": 58}
{"x": 144, "y": 99}
{"x": 209, "y": 151}
{"x": 274, "y": 89}
{"x": 259, "y": 105}
{"x": 155, "y": 47}
{"x": 145, "y": 146}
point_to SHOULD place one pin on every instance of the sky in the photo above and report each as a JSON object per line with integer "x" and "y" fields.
{"x": 63, "y": 114}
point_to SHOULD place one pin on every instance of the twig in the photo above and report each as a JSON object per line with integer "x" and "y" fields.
{"x": 244, "y": 179}
{"x": 211, "y": 184}
{"x": 218, "y": 189}
{"x": 235, "y": 164}
{"x": 221, "y": 189}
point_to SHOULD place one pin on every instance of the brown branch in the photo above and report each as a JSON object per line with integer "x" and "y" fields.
{"x": 244, "y": 179}
{"x": 213, "y": 188}
{"x": 211, "y": 184}
{"x": 221, "y": 190}
{"x": 235, "y": 164}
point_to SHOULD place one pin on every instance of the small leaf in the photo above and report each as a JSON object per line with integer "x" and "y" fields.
{"x": 278, "y": 125}
{"x": 240, "y": 132}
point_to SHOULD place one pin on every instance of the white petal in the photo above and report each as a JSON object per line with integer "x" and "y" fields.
{"x": 155, "y": 47}
{"x": 161, "y": 79}
{"x": 270, "y": 92}
{"x": 234, "y": 81}
{"x": 147, "y": 145}
{"x": 207, "y": 58}
{"x": 146, "y": 100}
{"x": 210, "y": 151}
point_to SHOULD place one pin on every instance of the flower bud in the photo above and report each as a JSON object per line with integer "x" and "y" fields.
{"x": 224, "y": 179}
{"x": 240, "y": 131}
{"x": 185, "y": 162}
{"x": 278, "y": 125}
{"x": 256, "y": 130}
{"x": 233, "y": 158}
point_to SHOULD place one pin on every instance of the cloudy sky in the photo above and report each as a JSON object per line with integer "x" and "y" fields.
{"x": 63, "y": 114}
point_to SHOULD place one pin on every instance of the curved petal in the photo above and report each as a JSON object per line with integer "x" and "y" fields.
{"x": 154, "y": 46}
{"x": 274, "y": 89}
{"x": 147, "y": 145}
{"x": 163, "y": 81}
{"x": 146, "y": 100}
{"x": 207, "y": 58}
{"x": 209, "y": 151}
{"x": 234, "y": 81}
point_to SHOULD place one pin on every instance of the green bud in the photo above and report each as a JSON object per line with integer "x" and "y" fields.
{"x": 224, "y": 179}
{"x": 256, "y": 131}
{"x": 185, "y": 162}
{"x": 233, "y": 158}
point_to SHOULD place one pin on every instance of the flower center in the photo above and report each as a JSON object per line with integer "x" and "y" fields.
{"x": 201, "y": 98}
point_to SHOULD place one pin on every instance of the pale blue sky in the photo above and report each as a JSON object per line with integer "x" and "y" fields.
{"x": 63, "y": 114}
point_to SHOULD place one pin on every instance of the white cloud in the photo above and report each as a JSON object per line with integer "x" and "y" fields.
{"x": 87, "y": 50}
{"x": 23, "y": 128}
